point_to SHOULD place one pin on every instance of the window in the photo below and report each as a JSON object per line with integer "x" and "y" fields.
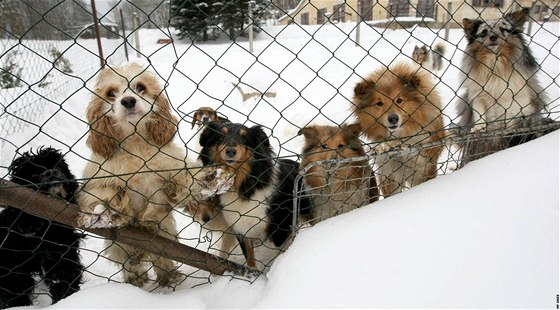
{"x": 425, "y": 8}
{"x": 365, "y": 10}
{"x": 339, "y": 13}
{"x": 321, "y": 16}
{"x": 485, "y": 3}
{"x": 398, "y": 8}
{"x": 305, "y": 18}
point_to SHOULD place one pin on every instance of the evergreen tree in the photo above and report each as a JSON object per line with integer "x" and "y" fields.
{"x": 202, "y": 19}
{"x": 194, "y": 18}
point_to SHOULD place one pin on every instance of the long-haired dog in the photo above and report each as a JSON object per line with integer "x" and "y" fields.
{"x": 137, "y": 174}
{"x": 259, "y": 205}
{"x": 32, "y": 246}
{"x": 399, "y": 107}
{"x": 501, "y": 89}
{"x": 429, "y": 58}
{"x": 203, "y": 115}
{"x": 334, "y": 185}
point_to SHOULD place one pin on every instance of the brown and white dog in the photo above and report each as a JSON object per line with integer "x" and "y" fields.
{"x": 398, "y": 107}
{"x": 204, "y": 115}
{"x": 136, "y": 173}
{"x": 336, "y": 186}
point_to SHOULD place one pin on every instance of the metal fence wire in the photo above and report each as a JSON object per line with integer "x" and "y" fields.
{"x": 282, "y": 114}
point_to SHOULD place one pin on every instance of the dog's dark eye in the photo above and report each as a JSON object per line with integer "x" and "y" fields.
{"x": 111, "y": 93}
{"x": 140, "y": 88}
{"x": 324, "y": 146}
{"x": 483, "y": 33}
{"x": 399, "y": 100}
{"x": 379, "y": 103}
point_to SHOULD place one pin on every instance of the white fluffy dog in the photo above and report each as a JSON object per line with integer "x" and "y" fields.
{"x": 136, "y": 174}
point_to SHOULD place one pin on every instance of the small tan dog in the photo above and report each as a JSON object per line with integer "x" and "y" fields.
{"x": 337, "y": 187}
{"x": 204, "y": 115}
{"x": 137, "y": 174}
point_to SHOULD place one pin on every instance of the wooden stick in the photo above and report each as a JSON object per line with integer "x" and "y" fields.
{"x": 58, "y": 210}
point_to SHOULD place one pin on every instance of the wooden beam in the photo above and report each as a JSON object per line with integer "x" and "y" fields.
{"x": 58, "y": 210}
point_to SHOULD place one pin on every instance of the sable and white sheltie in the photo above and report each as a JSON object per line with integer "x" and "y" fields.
{"x": 399, "y": 107}
{"x": 500, "y": 88}
{"x": 431, "y": 59}
{"x": 259, "y": 205}
{"x": 340, "y": 186}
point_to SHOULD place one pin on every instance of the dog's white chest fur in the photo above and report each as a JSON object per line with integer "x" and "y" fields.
{"x": 500, "y": 91}
{"x": 247, "y": 217}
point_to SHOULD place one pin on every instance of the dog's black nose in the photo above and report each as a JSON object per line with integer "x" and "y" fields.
{"x": 493, "y": 38}
{"x": 393, "y": 119}
{"x": 51, "y": 175}
{"x": 231, "y": 152}
{"x": 206, "y": 218}
{"x": 128, "y": 102}
{"x": 205, "y": 120}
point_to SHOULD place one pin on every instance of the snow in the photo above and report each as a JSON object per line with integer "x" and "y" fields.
{"x": 485, "y": 236}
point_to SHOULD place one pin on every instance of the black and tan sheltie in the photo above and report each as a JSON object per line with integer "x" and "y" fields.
{"x": 399, "y": 107}
{"x": 335, "y": 183}
{"x": 259, "y": 205}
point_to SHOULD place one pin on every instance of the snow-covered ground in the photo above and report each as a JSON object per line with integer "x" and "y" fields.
{"x": 483, "y": 236}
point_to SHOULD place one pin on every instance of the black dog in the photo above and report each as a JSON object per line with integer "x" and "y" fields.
{"x": 31, "y": 246}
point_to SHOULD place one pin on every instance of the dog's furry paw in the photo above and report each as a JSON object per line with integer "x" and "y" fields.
{"x": 216, "y": 181}
{"x": 171, "y": 278}
{"x": 138, "y": 281}
{"x": 102, "y": 217}
{"x": 479, "y": 128}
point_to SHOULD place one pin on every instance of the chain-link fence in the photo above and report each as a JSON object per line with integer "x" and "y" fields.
{"x": 246, "y": 122}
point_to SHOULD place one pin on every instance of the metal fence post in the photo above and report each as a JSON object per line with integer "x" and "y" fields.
{"x": 124, "y": 36}
{"x": 136, "y": 20}
{"x": 251, "y": 26}
{"x": 449, "y": 18}
{"x": 358, "y": 22}
{"x": 97, "y": 34}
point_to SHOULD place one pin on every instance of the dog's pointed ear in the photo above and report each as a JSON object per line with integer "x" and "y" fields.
{"x": 467, "y": 23}
{"x": 194, "y": 119}
{"x": 363, "y": 89}
{"x": 412, "y": 81}
{"x": 352, "y": 129}
{"x": 518, "y": 18}
{"x": 308, "y": 132}
{"x": 103, "y": 135}
{"x": 163, "y": 127}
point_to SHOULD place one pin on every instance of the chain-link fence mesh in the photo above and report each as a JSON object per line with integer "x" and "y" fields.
{"x": 319, "y": 106}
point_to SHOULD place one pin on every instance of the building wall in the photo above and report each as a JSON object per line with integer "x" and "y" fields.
{"x": 459, "y": 8}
